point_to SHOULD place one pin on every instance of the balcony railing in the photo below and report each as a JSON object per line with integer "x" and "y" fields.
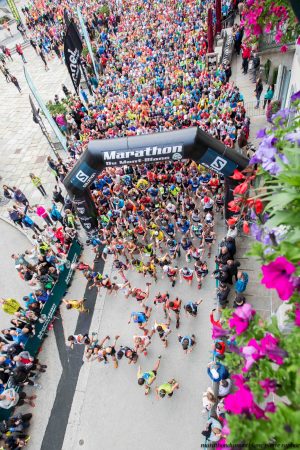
{"x": 267, "y": 42}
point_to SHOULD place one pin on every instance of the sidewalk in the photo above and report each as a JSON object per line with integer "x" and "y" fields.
{"x": 265, "y": 301}
{"x": 246, "y": 87}
{"x": 23, "y": 148}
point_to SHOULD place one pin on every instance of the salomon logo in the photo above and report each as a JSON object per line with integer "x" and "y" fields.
{"x": 81, "y": 176}
{"x": 177, "y": 157}
{"x": 218, "y": 164}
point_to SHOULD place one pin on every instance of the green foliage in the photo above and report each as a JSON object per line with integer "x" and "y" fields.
{"x": 248, "y": 429}
{"x": 104, "y": 10}
{"x": 280, "y": 195}
{"x": 274, "y": 77}
{"x": 256, "y": 250}
{"x": 267, "y": 68}
{"x": 4, "y": 19}
{"x": 85, "y": 52}
{"x": 282, "y": 429}
{"x": 234, "y": 361}
{"x": 56, "y": 108}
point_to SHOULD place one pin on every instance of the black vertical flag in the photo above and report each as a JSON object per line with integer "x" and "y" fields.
{"x": 72, "y": 50}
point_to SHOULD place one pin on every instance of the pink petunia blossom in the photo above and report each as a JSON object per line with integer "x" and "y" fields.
{"x": 268, "y": 385}
{"x": 221, "y": 445}
{"x": 278, "y": 275}
{"x": 284, "y": 48}
{"x": 241, "y": 318}
{"x": 225, "y": 429}
{"x": 238, "y": 380}
{"x": 218, "y": 332}
{"x": 240, "y": 401}
{"x": 270, "y": 407}
{"x": 248, "y": 32}
{"x": 297, "y": 315}
{"x": 268, "y": 27}
{"x": 257, "y": 411}
{"x": 269, "y": 347}
{"x": 257, "y": 29}
{"x": 278, "y": 36}
{"x": 251, "y": 353}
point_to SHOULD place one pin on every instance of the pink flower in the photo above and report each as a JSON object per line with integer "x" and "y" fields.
{"x": 298, "y": 40}
{"x": 248, "y": 33}
{"x": 269, "y": 347}
{"x": 218, "y": 332}
{"x": 241, "y": 318}
{"x": 238, "y": 380}
{"x": 297, "y": 315}
{"x": 251, "y": 353}
{"x": 240, "y": 401}
{"x": 284, "y": 49}
{"x": 225, "y": 429}
{"x": 257, "y": 411}
{"x": 221, "y": 445}
{"x": 277, "y": 275}
{"x": 268, "y": 385}
{"x": 278, "y": 36}
{"x": 257, "y": 29}
{"x": 268, "y": 27}
{"x": 270, "y": 407}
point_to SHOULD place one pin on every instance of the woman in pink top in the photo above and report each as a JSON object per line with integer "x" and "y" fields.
{"x": 42, "y": 213}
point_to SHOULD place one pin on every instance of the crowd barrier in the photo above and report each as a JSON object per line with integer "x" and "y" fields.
{"x": 34, "y": 343}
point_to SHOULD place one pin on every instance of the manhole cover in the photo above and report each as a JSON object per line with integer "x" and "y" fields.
{"x": 115, "y": 278}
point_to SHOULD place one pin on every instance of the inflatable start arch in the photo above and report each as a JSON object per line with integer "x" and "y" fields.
{"x": 190, "y": 143}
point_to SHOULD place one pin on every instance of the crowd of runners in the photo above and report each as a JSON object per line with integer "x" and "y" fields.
{"x": 153, "y": 74}
{"x": 158, "y": 220}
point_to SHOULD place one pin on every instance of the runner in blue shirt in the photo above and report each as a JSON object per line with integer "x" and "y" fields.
{"x": 194, "y": 183}
{"x": 191, "y": 308}
{"x": 141, "y": 318}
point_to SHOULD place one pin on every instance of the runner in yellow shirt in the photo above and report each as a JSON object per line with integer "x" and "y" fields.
{"x": 166, "y": 388}
{"x": 163, "y": 330}
{"x": 76, "y": 304}
{"x": 147, "y": 378}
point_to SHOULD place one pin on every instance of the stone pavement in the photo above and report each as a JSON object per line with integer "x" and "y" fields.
{"x": 265, "y": 301}
{"x": 13, "y": 241}
{"x": 10, "y": 40}
{"x": 110, "y": 410}
{"x": 23, "y": 148}
{"x": 246, "y": 86}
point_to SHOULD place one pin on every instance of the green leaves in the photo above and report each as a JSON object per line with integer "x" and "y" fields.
{"x": 256, "y": 250}
{"x": 277, "y": 230}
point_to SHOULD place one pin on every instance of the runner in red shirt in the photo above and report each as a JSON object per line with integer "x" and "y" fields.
{"x": 173, "y": 305}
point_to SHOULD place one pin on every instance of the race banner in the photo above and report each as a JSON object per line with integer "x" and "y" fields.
{"x": 72, "y": 50}
{"x": 14, "y": 10}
